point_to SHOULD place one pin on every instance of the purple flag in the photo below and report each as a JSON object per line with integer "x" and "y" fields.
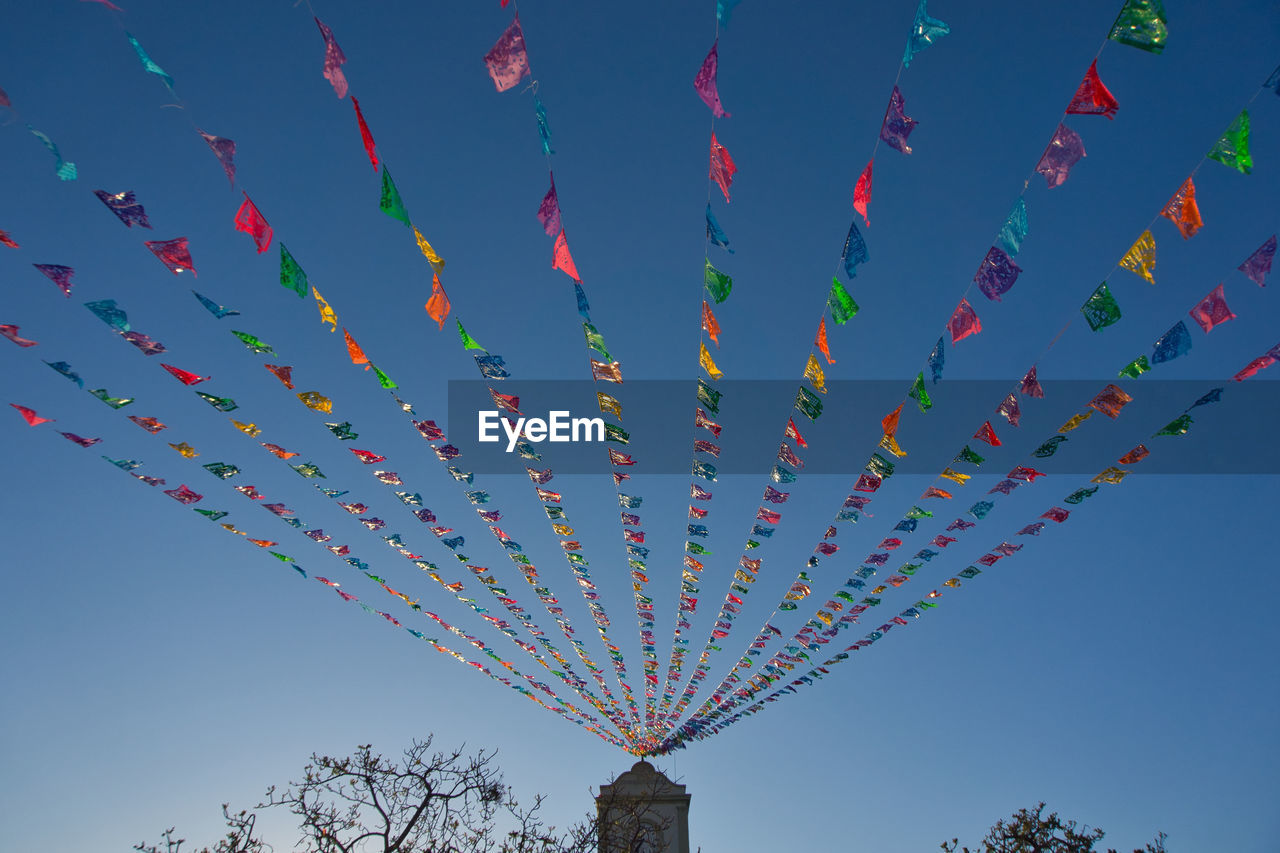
{"x": 507, "y": 61}
{"x": 997, "y": 274}
{"x": 1064, "y": 151}
{"x": 897, "y": 127}
{"x": 225, "y": 150}
{"x": 125, "y": 206}
{"x": 549, "y": 211}
{"x": 705, "y": 82}
{"x": 1259, "y": 263}
{"x": 59, "y": 275}
{"x": 333, "y": 60}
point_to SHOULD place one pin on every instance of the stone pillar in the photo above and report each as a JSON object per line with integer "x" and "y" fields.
{"x": 643, "y": 812}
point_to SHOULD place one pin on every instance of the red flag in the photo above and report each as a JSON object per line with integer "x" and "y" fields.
{"x": 184, "y": 376}
{"x": 964, "y": 322}
{"x": 174, "y": 254}
{"x": 987, "y": 434}
{"x": 438, "y": 305}
{"x": 562, "y": 260}
{"x": 1093, "y": 98}
{"x": 365, "y": 135}
{"x": 722, "y": 166}
{"x": 353, "y": 350}
{"x": 709, "y": 324}
{"x": 820, "y": 341}
{"x": 793, "y": 433}
{"x": 7, "y": 240}
{"x": 251, "y": 221}
{"x": 862, "y": 193}
{"x": 30, "y": 416}
{"x": 283, "y": 373}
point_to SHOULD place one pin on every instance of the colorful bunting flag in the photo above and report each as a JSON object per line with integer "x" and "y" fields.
{"x": 253, "y": 343}
{"x": 64, "y": 169}
{"x": 718, "y": 284}
{"x": 964, "y": 322}
{"x": 925, "y": 30}
{"x": 897, "y": 126}
{"x": 1178, "y": 426}
{"x": 919, "y": 394}
{"x": 292, "y": 275}
{"x": 997, "y": 274}
{"x": 1101, "y": 309}
{"x": 813, "y": 372}
{"x": 1064, "y": 151}
{"x": 65, "y": 369}
{"x": 1141, "y": 257}
{"x": 222, "y": 404}
{"x": 1110, "y": 401}
{"x": 820, "y": 341}
{"x": 437, "y": 306}
{"x": 1015, "y": 228}
{"x": 841, "y": 303}
{"x": 186, "y": 377}
{"x": 987, "y": 434}
{"x": 125, "y": 206}
{"x": 1173, "y": 343}
{"x": 544, "y": 130}
{"x": 549, "y": 210}
{"x": 1183, "y": 211}
{"x": 1136, "y": 368}
{"x": 562, "y": 260}
{"x": 507, "y": 61}
{"x": 704, "y": 361}
{"x": 854, "y": 251}
{"x": 722, "y": 166}
{"x": 1258, "y": 265}
{"x": 333, "y": 61}
{"x": 174, "y": 254}
{"x": 1212, "y": 310}
{"x": 8, "y": 241}
{"x": 214, "y": 308}
{"x": 225, "y": 150}
{"x": 704, "y": 83}
{"x": 436, "y": 262}
{"x": 1010, "y": 410}
{"x": 1232, "y": 150}
{"x": 59, "y": 275}
{"x": 1141, "y": 24}
{"x": 354, "y": 351}
{"x": 29, "y": 415}
{"x": 251, "y": 221}
{"x": 11, "y": 332}
{"x": 390, "y": 202}
{"x": 365, "y": 136}
{"x": 1093, "y": 98}
{"x": 715, "y": 234}
{"x": 148, "y": 64}
{"x": 862, "y": 190}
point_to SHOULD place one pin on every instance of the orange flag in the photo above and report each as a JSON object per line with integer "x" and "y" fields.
{"x": 353, "y": 349}
{"x": 1183, "y": 211}
{"x": 821, "y": 340}
{"x": 890, "y": 422}
{"x": 438, "y": 305}
{"x": 709, "y": 324}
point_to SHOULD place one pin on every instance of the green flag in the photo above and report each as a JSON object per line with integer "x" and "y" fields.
{"x": 968, "y": 455}
{"x": 616, "y": 433}
{"x": 221, "y": 470}
{"x": 1141, "y": 24}
{"x": 383, "y": 379}
{"x": 880, "y": 466}
{"x": 1136, "y": 368}
{"x": 841, "y": 303}
{"x": 595, "y": 340}
{"x": 709, "y": 397}
{"x": 308, "y": 469}
{"x": 291, "y": 275}
{"x": 391, "y": 204}
{"x": 213, "y": 514}
{"x": 919, "y": 394}
{"x": 253, "y": 343}
{"x": 1101, "y": 309}
{"x": 717, "y": 283}
{"x": 467, "y": 341}
{"x": 1178, "y": 426}
{"x": 917, "y": 512}
{"x": 222, "y": 404}
{"x": 808, "y": 402}
{"x": 1233, "y": 148}
{"x": 113, "y": 402}
{"x": 343, "y": 431}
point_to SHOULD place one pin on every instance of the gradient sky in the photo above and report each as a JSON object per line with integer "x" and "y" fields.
{"x": 1122, "y": 668}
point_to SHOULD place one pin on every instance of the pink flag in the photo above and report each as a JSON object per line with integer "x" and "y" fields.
{"x": 251, "y": 221}
{"x": 722, "y": 167}
{"x": 549, "y": 211}
{"x": 862, "y": 193}
{"x": 11, "y": 332}
{"x": 365, "y": 135}
{"x": 1064, "y": 151}
{"x": 174, "y": 254}
{"x": 1093, "y": 98}
{"x": 705, "y": 82}
{"x": 1212, "y": 310}
{"x": 225, "y": 151}
{"x": 562, "y": 260}
{"x": 1031, "y": 385}
{"x": 30, "y": 416}
{"x": 507, "y": 60}
{"x": 964, "y": 322}
{"x": 8, "y": 241}
{"x": 183, "y": 495}
{"x": 333, "y": 61}
{"x": 59, "y": 275}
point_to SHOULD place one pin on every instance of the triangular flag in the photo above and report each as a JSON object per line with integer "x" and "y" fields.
{"x": 841, "y": 303}
{"x": 30, "y": 416}
{"x": 987, "y": 434}
{"x": 468, "y": 342}
{"x": 722, "y": 166}
{"x": 186, "y": 377}
{"x": 897, "y": 126}
{"x": 1258, "y": 265}
{"x": 704, "y": 360}
{"x": 174, "y": 254}
{"x": 889, "y": 424}
{"x": 715, "y": 234}
{"x": 855, "y": 250}
{"x": 436, "y": 262}
{"x": 964, "y": 322}
{"x": 718, "y": 284}
{"x": 251, "y": 221}
{"x": 1093, "y": 98}
{"x": 507, "y": 60}
{"x": 291, "y": 274}
{"x": 704, "y": 83}
{"x": 1064, "y": 151}
{"x": 1101, "y": 309}
{"x": 438, "y": 305}
{"x": 354, "y": 350}
{"x": 1212, "y": 310}
{"x": 1031, "y": 385}
{"x": 327, "y": 314}
{"x": 125, "y": 206}
{"x": 924, "y": 32}
{"x": 1183, "y": 211}
{"x": 390, "y": 202}
{"x": 333, "y": 61}
{"x": 813, "y": 372}
{"x": 1141, "y": 24}
{"x": 862, "y": 189}
{"x": 1232, "y": 149}
{"x": 549, "y": 210}
{"x": 1015, "y": 229}
{"x": 562, "y": 260}
{"x": 1141, "y": 257}
{"x": 709, "y": 324}
{"x": 59, "y": 275}
{"x": 224, "y": 150}
{"x": 365, "y": 135}
{"x": 820, "y": 341}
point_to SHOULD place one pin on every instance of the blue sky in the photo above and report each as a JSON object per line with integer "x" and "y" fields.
{"x": 1120, "y": 668}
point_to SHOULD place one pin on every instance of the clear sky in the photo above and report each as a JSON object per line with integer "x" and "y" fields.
{"x": 1121, "y": 667}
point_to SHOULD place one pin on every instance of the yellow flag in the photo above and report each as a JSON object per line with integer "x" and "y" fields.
{"x": 1111, "y": 475}
{"x": 954, "y": 476}
{"x": 610, "y": 404}
{"x": 437, "y": 262}
{"x": 813, "y": 372}
{"x": 704, "y": 359}
{"x": 185, "y": 449}
{"x": 251, "y": 430}
{"x": 327, "y": 314}
{"x": 1141, "y": 257}
{"x": 1075, "y": 421}
{"x": 562, "y": 529}
{"x": 890, "y": 444}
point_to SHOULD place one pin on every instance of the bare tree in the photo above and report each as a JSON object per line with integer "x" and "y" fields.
{"x": 428, "y": 802}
